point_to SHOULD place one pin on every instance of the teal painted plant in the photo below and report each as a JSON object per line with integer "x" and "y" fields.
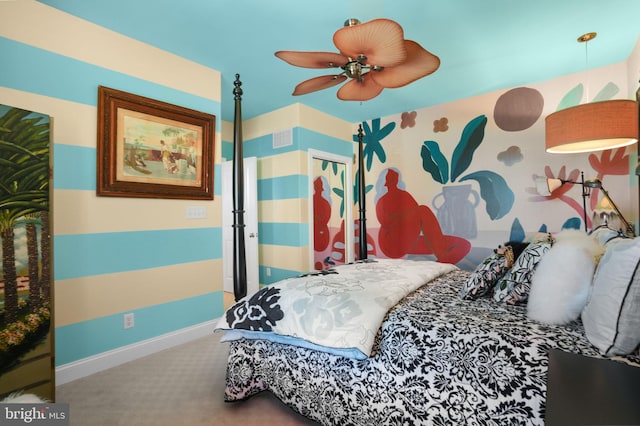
{"x": 494, "y": 190}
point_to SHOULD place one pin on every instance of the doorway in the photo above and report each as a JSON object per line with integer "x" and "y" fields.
{"x": 250, "y": 230}
{"x": 330, "y": 210}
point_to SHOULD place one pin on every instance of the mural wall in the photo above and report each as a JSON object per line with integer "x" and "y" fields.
{"x": 454, "y": 181}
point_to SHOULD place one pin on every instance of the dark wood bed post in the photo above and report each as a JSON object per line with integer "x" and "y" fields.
{"x": 361, "y": 198}
{"x": 239, "y": 259}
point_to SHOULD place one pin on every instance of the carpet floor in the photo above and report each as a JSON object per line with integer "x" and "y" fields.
{"x": 183, "y": 385}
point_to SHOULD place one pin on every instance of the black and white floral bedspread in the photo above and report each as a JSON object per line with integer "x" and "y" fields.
{"x": 437, "y": 360}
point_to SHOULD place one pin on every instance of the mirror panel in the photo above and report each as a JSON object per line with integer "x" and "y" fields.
{"x": 331, "y": 201}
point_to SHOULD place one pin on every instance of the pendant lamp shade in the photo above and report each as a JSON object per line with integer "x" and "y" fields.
{"x": 594, "y": 126}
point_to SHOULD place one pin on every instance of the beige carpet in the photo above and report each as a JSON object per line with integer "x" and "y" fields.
{"x": 179, "y": 386}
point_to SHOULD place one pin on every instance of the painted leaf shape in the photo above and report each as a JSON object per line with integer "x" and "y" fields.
{"x": 471, "y": 138}
{"x": 572, "y": 98}
{"x": 572, "y": 223}
{"x": 494, "y": 191}
{"x": 517, "y": 231}
{"x": 607, "y": 92}
{"x": 434, "y": 162}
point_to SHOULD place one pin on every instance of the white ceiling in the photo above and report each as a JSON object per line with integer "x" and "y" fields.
{"x": 483, "y": 45}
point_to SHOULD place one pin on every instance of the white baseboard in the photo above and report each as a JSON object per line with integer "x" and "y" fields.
{"x": 85, "y": 367}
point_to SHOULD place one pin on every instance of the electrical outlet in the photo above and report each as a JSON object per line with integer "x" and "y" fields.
{"x": 129, "y": 320}
{"x": 268, "y": 271}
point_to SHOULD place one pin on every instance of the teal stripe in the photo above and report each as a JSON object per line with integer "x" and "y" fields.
{"x": 309, "y": 139}
{"x": 283, "y": 188}
{"x": 77, "y": 341}
{"x": 227, "y": 151}
{"x": 303, "y": 140}
{"x": 74, "y": 167}
{"x": 34, "y": 70}
{"x": 85, "y": 255}
{"x": 262, "y": 146}
{"x": 277, "y": 274}
{"x": 284, "y": 234}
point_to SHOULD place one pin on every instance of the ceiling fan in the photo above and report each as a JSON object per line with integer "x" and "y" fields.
{"x": 373, "y": 55}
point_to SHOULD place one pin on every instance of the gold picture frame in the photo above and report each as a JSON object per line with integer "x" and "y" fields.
{"x": 152, "y": 149}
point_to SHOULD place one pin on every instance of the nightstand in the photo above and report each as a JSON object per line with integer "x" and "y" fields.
{"x": 588, "y": 391}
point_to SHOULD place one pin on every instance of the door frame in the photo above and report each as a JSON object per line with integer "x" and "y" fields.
{"x": 314, "y": 154}
{"x": 251, "y": 225}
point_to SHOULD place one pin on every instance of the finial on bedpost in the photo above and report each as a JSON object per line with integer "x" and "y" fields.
{"x": 239, "y": 256}
{"x": 361, "y": 198}
{"x": 237, "y": 91}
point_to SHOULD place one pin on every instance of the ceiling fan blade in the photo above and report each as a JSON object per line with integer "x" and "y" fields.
{"x": 419, "y": 63}
{"x": 380, "y": 40}
{"x": 312, "y": 59}
{"x": 362, "y": 90}
{"x": 318, "y": 83}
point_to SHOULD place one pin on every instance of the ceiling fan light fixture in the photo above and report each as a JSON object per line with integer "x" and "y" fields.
{"x": 381, "y": 41}
{"x": 377, "y": 45}
{"x": 420, "y": 63}
{"x": 312, "y": 59}
{"x": 351, "y": 22}
{"x": 360, "y": 90}
{"x": 318, "y": 83}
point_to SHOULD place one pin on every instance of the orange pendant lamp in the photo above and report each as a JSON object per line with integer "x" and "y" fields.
{"x": 593, "y": 126}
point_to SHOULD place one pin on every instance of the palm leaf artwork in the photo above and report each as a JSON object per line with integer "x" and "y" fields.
{"x": 574, "y": 96}
{"x": 372, "y": 141}
{"x": 434, "y": 162}
{"x": 494, "y": 190}
{"x": 472, "y": 137}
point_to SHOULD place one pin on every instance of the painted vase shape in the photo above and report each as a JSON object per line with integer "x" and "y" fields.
{"x": 456, "y": 212}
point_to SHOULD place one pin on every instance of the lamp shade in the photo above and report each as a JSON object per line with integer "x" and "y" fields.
{"x": 592, "y": 127}
{"x": 545, "y": 186}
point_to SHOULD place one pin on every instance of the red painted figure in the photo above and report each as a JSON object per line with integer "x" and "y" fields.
{"x": 321, "y": 216}
{"x": 409, "y": 228}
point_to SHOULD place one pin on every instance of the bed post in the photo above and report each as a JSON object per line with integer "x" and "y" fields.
{"x": 361, "y": 198}
{"x": 239, "y": 260}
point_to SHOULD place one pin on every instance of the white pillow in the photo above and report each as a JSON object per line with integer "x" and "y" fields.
{"x": 612, "y": 316}
{"x": 561, "y": 282}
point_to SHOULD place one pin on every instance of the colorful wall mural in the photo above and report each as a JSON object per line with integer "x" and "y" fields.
{"x": 453, "y": 182}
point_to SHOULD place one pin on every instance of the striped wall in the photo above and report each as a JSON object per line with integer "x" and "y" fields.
{"x": 283, "y": 181}
{"x": 112, "y": 255}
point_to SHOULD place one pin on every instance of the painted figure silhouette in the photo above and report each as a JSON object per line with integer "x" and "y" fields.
{"x": 409, "y": 228}
{"x": 321, "y": 216}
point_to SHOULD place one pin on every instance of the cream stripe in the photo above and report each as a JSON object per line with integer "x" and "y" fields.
{"x": 82, "y": 212}
{"x": 290, "y": 163}
{"x": 284, "y": 211}
{"x": 320, "y": 122}
{"x": 83, "y": 299}
{"x": 39, "y": 25}
{"x": 72, "y": 121}
{"x": 283, "y": 257}
{"x": 297, "y": 115}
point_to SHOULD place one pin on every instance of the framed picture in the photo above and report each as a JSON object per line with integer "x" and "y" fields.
{"x": 152, "y": 149}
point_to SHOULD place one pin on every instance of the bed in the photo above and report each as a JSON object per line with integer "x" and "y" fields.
{"x": 435, "y": 353}
{"x": 437, "y": 359}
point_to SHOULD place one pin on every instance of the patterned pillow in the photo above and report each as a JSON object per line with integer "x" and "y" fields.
{"x": 514, "y": 287}
{"x": 487, "y": 274}
{"x": 612, "y": 316}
